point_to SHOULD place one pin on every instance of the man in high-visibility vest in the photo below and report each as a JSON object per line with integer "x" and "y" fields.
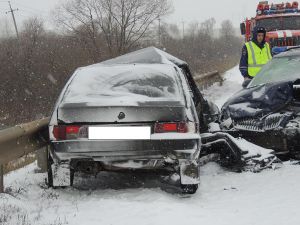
{"x": 255, "y": 54}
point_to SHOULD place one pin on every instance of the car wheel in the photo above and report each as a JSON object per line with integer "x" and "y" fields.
{"x": 51, "y": 178}
{"x": 189, "y": 188}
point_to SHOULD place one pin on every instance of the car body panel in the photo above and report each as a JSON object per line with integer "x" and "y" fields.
{"x": 110, "y": 114}
{"x": 259, "y": 100}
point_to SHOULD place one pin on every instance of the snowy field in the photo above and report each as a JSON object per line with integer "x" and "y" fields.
{"x": 271, "y": 197}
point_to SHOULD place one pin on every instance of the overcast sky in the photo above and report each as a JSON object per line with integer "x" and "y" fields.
{"x": 184, "y": 10}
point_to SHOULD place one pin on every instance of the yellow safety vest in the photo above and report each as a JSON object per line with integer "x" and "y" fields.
{"x": 257, "y": 57}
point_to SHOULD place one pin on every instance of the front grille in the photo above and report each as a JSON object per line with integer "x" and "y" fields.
{"x": 271, "y": 122}
{"x": 249, "y": 125}
{"x": 289, "y": 41}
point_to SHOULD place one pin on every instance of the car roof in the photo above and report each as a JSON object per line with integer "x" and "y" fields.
{"x": 292, "y": 51}
{"x": 150, "y": 55}
{"x": 113, "y": 69}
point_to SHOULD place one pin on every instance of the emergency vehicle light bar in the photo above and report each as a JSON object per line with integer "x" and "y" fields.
{"x": 264, "y": 8}
{"x": 271, "y": 12}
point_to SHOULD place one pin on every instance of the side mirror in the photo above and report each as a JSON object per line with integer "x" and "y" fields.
{"x": 243, "y": 28}
{"x": 246, "y": 83}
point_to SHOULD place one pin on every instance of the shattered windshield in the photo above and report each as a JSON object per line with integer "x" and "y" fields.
{"x": 280, "y": 23}
{"x": 279, "y": 69}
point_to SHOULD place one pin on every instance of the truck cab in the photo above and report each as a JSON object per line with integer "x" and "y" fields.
{"x": 282, "y": 22}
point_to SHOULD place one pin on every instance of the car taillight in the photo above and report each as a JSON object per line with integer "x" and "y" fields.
{"x": 180, "y": 127}
{"x": 59, "y": 132}
{"x": 166, "y": 127}
{"x": 72, "y": 130}
{"x": 62, "y": 132}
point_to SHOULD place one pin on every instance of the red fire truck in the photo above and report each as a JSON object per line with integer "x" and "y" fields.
{"x": 282, "y": 22}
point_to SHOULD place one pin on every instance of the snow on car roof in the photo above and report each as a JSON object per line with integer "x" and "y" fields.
{"x": 149, "y": 55}
{"x": 293, "y": 51}
{"x": 101, "y": 84}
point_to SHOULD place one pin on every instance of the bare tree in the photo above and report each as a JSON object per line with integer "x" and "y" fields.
{"x": 208, "y": 26}
{"x": 33, "y": 29}
{"x": 5, "y": 28}
{"x": 227, "y": 29}
{"x": 123, "y": 23}
{"x": 204, "y": 50}
{"x": 193, "y": 29}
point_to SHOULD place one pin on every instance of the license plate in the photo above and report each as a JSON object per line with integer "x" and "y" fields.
{"x": 119, "y": 133}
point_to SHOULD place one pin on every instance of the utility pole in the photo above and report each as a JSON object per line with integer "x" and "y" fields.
{"x": 12, "y": 11}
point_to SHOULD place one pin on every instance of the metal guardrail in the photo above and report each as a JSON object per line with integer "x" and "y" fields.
{"x": 18, "y": 141}
{"x": 206, "y": 80}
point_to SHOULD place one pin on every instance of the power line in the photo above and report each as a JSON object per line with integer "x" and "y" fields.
{"x": 12, "y": 11}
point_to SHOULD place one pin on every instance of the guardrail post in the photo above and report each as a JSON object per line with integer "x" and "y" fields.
{"x": 42, "y": 160}
{"x": 1, "y": 179}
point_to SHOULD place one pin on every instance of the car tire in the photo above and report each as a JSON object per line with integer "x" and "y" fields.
{"x": 189, "y": 188}
{"x": 50, "y": 174}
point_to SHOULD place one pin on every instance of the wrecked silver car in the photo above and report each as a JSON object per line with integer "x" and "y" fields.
{"x": 134, "y": 112}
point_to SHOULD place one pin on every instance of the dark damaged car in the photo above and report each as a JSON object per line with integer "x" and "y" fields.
{"x": 140, "y": 111}
{"x": 267, "y": 112}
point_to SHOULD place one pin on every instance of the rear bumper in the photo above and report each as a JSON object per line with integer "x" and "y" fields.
{"x": 175, "y": 155}
{"x": 111, "y": 151}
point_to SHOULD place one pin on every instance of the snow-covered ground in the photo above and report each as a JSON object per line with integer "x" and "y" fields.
{"x": 268, "y": 198}
{"x": 232, "y": 84}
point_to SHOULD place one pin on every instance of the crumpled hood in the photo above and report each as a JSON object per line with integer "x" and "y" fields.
{"x": 258, "y": 100}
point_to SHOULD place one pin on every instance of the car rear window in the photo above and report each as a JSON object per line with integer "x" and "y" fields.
{"x": 279, "y": 69}
{"x": 125, "y": 83}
